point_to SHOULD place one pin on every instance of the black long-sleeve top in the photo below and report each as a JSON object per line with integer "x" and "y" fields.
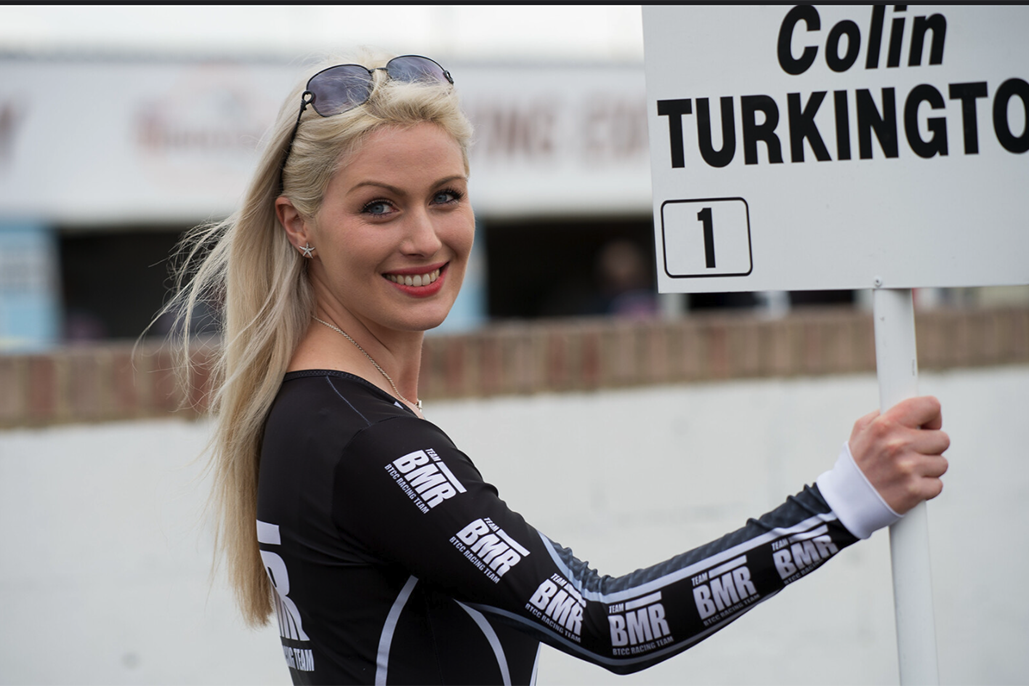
{"x": 395, "y": 562}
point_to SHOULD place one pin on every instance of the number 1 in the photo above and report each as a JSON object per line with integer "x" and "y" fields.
{"x": 709, "y": 236}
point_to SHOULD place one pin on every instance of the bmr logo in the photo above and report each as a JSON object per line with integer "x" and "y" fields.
{"x": 723, "y": 587}
{"x": 804, "y": 553}
{"x": 638, "y": 621}
{"x": 425, "y": 478}
{"x": 560, "y": 603}
{"x": 489, "y": 545}
{"x": 290, "y": 625}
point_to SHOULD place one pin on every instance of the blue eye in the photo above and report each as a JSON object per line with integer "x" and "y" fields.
{"x": 446, "y": 196}
{"x": 376, "y": 207}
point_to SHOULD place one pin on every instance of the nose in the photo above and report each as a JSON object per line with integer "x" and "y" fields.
{"x": 421, "y": 237}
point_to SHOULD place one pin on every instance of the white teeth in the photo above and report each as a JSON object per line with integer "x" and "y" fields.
{"x": 417, "y": 280}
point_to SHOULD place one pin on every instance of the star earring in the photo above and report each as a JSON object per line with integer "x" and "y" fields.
{"x": 307, "y": 250}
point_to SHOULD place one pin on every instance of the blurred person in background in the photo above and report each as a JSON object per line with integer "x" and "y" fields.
{"x": 624, "y": 283}
{"x": 383, "y": 552}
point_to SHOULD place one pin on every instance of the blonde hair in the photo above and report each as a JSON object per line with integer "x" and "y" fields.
{"x": 246, "y": 268}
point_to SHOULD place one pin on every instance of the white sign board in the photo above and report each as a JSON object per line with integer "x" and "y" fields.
{"x": 838, "y": 147}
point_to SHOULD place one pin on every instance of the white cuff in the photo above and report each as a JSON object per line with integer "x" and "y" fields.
{"x": 853, "y": 498}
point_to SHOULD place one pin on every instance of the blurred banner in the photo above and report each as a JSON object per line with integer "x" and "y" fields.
{"x": 85, "y": 141}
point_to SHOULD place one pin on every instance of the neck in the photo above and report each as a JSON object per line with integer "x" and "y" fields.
{"x": 364, "y": 352}
{"x": 388, "y": 359}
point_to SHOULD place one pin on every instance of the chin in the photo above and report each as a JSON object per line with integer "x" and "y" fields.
{"x": 423, "y": 323}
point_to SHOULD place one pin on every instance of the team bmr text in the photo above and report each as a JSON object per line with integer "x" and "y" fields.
{"x": 875, "y": 114}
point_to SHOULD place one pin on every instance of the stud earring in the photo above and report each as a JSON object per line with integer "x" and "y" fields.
{"x": 307, "y": 250}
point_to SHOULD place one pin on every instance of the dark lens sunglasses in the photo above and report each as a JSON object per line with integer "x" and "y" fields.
{"x": 342, "y": 88}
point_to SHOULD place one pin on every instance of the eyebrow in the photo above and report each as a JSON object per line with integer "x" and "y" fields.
{"x": 398, "y": 191}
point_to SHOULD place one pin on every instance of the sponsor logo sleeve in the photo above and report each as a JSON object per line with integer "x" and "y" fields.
{"x": 409, "y": 495}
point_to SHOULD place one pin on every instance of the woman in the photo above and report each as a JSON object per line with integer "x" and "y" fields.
{"x": 384, "y": 553}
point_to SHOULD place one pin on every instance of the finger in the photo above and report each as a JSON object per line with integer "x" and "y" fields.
{"x": 936, "y": 422}
{"x": 917, "y": 412}
{"x": 924, "y": 484}
{"x": 934, "y": 466}
{"x": 929, "y": 442}
{"x": 931, "y": 488}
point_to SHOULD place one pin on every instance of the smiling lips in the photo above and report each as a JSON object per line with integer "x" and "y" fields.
{"x": 422, "y": 285}
{"x": 414, "y": 280}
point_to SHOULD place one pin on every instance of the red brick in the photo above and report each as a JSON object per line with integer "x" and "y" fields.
{"x": 454, "y": 359}
{"x": 656, "y": 363}
{"x": 200, "y": 384}
{"x": 620, "y": 355}
{"x": 106, "y": 382}
{"x": 557, "y": 377}
{"x": 86, "y": 385}
{"x": 692, "y": 353}
{"x": 125, "y": 396}
{"x": 778, "y": 349}
{"x": 523, "y": 374}
{"x": 716, "y": 347}
{"x": 42, "y": 388}
{"x": 745, "y": 352}
{"x": 159, "y": 384}
{"x": 12, "y": 389}
{"x": 1019, "y": 334}
{"x": 590, "y": 361}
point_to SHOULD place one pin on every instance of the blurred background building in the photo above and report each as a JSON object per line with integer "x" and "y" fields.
{"x": 109, "y": 163}
{"x": 122, "y": 127}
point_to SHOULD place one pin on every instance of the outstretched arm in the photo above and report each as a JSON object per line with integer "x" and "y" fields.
{"x": 410, "y": 496}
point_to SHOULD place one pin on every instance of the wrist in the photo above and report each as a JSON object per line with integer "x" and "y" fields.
{"x": 853, "y": 498}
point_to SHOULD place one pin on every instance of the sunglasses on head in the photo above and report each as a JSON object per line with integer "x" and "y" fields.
{"x": 343, "y": 87}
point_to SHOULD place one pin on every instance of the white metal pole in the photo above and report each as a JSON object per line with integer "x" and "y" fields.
{"x": 896, "y": 362}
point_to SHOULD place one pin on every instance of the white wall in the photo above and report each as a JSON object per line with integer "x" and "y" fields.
{"x": 104, "y": 576}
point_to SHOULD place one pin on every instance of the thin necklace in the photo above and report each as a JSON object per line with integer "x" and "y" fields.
{"x": 382, "y": 371}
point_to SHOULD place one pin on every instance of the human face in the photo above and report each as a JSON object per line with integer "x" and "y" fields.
{"x": 395, "y": 230}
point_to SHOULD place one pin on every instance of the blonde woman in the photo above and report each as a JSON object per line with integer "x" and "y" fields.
{"x": 383, "y": 552}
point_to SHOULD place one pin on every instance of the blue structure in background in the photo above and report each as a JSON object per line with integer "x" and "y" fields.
{"x": 470, "y": 310}
{"x": 30, "y": 302}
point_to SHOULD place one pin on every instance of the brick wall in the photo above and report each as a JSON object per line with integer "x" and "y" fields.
{"x": 111, "y": 381}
